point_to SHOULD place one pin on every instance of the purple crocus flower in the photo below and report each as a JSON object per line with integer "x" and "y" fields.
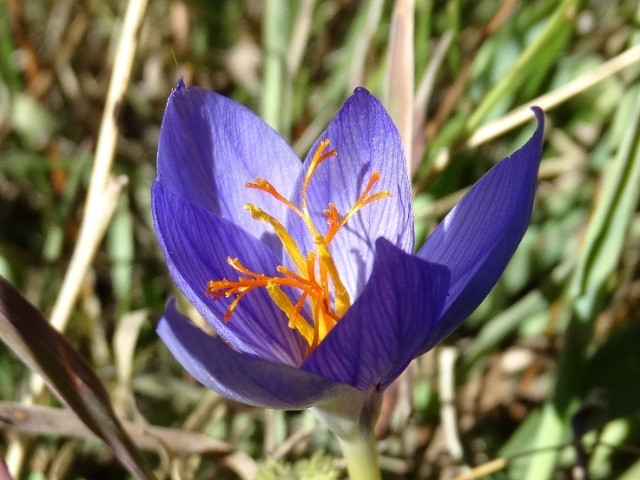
{"x": 307, "y": 271}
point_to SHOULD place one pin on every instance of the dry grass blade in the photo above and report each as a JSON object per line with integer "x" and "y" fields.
{"x": 40, "y": 420}
{"x": 400, "y": 73}
{"x": 356, "y": 74}
{"x": 523, "y": 114}
{"x": 100, "y": 176}
{"x": 423, "y": 97}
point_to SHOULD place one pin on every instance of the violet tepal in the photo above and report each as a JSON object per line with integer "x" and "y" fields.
{"x": 307, "y": 271}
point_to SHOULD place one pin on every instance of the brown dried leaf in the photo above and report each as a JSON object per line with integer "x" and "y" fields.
{"x": 71, "y": 379}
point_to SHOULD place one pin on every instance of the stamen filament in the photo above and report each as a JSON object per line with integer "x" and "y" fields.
{"x": 287, "y": 241}
{"x": 233, "y": 305}
{"x": 289, "y": 273}
{"x": 317, "y": 159}
{"x": 311, "y": 267}
{"x": 301, "y": 300}
{"x": 332, "y": 214}
{"x": 295, "y": 319}
{"x": 342, "y": 301}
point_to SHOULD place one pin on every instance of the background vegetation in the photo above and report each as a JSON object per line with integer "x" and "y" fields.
{"x": 544, "y": 377}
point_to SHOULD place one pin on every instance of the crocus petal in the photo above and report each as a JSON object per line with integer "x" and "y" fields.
{"x": 479, "y": 236}
{"x": 196, "y": 244}
{"x": 366, "y": 140}
{"x": 242, "y": 377}
{"x": 388, "y": 324}
{"x": 210, "y": 146}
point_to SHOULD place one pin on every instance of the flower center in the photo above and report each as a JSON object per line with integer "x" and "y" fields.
{"x": 315, "y": 274}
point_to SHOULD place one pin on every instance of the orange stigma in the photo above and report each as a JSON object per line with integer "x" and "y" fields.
{"x": 315, "y": 274}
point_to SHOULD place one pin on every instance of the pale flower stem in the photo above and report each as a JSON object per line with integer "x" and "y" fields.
{"x": 362, "y": 458}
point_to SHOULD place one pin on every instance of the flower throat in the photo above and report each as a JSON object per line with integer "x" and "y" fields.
{"x": 315, "y": 274}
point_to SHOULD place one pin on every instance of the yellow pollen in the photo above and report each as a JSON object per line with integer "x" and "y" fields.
{"x": 315, "y": 276}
